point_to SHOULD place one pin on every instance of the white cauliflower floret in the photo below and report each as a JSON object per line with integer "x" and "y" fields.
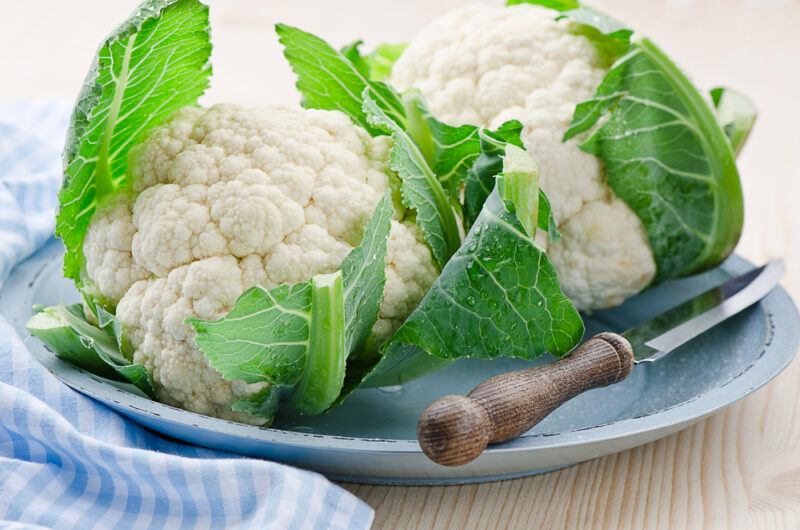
{"x": 154, "y": 313}
{"x": 107, "y": 248}
{"x": 488, "y": 64}
{"x": 228, "y": 198}
{"x": 410, "y": 272}
{"x": 308, "y": 251}
{"x": 595, "y": 263}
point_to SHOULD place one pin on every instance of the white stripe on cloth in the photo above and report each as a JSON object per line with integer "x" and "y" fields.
{"x": 67, "y": 461}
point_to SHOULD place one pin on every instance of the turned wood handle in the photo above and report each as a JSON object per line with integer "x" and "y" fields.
{"x": 455, "y": 430}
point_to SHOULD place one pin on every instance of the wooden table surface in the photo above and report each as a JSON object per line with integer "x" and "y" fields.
{"x": 738, "y": 469}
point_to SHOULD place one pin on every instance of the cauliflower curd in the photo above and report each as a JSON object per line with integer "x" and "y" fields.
{"x": 484, "y": 65}
{"x": 230, "y": 197}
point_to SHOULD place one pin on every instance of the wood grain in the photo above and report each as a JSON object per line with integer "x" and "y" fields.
{"x": 738, "y": 469}
{"x": 454, "y": 430}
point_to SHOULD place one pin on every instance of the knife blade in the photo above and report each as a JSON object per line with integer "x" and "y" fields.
{"x": 455, "y": 430}
{"x": 657, "y": 337}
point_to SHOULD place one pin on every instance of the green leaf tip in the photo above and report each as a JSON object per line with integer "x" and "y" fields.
{"x": 376, "y": 65}
{"x": 557, "y": 5}
{"x": 736, "y": 114}
{"x": 328, "y": 80}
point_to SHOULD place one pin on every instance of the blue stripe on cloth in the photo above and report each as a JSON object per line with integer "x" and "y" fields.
{"x": 67, "y": 461}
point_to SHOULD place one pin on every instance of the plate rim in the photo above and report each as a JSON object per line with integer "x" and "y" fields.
{"x": 782, "y": 343}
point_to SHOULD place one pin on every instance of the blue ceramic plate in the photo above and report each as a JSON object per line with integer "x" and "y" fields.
{"x": 371, "y": 437}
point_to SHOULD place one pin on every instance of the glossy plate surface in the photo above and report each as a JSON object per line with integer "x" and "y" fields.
{"x": 371, "y": 437}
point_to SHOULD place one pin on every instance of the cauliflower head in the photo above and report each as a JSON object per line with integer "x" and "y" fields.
{"x": 484, "y": 65}
{"x": 230, "y": 197}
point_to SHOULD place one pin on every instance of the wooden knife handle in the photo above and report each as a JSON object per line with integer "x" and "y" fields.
{"x": 455, "y": 430}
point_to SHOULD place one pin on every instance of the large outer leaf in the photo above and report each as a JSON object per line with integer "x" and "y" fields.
{"x": 667, "y": 158}
{"x": 420, "y": 187}
{"x": 153, "y": 64}
{"x": 665, "y": 155}
{"x": 497, "y": 296}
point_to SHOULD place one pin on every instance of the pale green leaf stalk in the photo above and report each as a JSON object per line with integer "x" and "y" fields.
{"x": 482, "y": 175}
{"x": 323, "y": 375}
{"x": 519, "y": 186}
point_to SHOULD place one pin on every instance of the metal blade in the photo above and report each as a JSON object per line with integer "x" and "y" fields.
{"x": 655, "y": 338}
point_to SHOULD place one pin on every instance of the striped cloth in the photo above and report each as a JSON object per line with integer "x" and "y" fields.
{"x": 69, "y": 462}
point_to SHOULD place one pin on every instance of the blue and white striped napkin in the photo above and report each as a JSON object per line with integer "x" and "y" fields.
{"x": 69, "y": 462}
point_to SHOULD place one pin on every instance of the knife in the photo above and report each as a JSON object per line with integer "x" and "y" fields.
{"x": 454, "y": 430}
